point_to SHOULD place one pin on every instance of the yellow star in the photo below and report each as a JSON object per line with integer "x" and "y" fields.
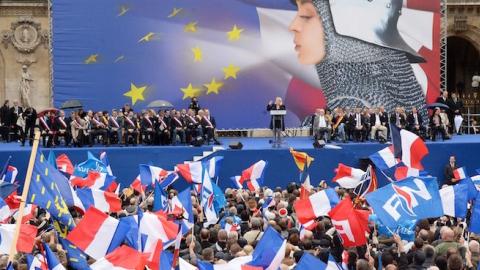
{"x": 213, "y": 86}
{"x": 234, "y": 34}
{"x": 191, "y": 27}
{"x": 190, "y": 91}
{"x": 175, "y": 12}
{"x": 231, "y": 71}
{"x": 136, "y": 93}
{"x": 120, "y": 58}
{"x": 123, "y": 9}
{"x": 197, "y": 54}
{"x": 91, "y": 59}
{"x": 148, "y": 37}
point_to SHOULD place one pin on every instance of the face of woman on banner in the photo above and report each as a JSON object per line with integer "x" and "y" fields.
{"x": 309, "y": 34}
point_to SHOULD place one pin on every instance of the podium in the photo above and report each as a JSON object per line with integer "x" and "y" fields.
{"x": 277, "y": 116}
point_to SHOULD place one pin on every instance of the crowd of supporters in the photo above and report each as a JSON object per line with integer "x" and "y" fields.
{"x": 126, "y": 127}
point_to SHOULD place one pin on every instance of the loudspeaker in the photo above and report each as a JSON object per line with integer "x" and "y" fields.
{"x": 236, "y": 145}
{"x": 198, "y": 141}
{"x": 319, "y": 144}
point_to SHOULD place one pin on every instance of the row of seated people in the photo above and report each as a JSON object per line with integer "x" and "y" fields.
{"x": 359, "y": 125}
{"x": 128, "y": 128}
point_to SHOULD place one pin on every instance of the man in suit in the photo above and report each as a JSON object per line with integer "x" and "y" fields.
{"x": 209, "y": 125}
{"x": 415, "y": 123}
{"x": 178, "y": 128}
{"x": 62, "y": 129}
{"x": 194, "y": 128}
{"x": 147, "y": 127}
{"x": 115, "y": 124}
{"x": 448, "y": 172}
{"x": 357, "y": 124}
{"x": 46, "y": 129}
{"x": 378, "y": 122}
{"x": 456, "y": 108}
{"x": 131, "y": 128}
{"x": 163, "y": 128}
{"x": 5, "y": 120}
{"x": 398, "y": 118}
{"x": 98, "y": 128}
{"x": 30, "y": 117}
{"x": 321, "y": 126}
{"x": 15, "y": 112}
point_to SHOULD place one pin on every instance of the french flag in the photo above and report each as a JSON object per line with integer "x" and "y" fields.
{"x": 181, "y": 206}
{"x": 408, "y": 147}
{"x": 237, "y": 181}
{"x": 26, "y": 238}
{"x": 37, "y": 262}
{"x": 5, "y": 211}
{"x": 95, "y": 180}
{"x": 97, "y": 234}
{"x": 10, "y": 174}
{"x": 348, "y": 177}
{"x": 52, "y": 260}
{"x": 254, "y": 175}
{"x": 454, "y": 200}
{"x": 28, "y": 213}
{"x": 122, "y": 258}
{"x": 270, "y": 250}
{"x": 207, "y": 200}
{"x": 191, "y": 171}
{"x": 64, "y": 164}
{"x": 213, "y": 166}
{"x": 316, "y": 205}
{"x": 238, "y": 263}
{"x": 332, "y": 264}
{"x": 460, "y": 173}
{"x": 384, "y": 158}
{"x": 151, "y": 174}
{"x": 137, "y": 185}
{"x": 102, "y": 200}
{"x": 155, "y": 227}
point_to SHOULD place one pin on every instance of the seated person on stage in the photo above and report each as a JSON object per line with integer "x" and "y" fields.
{"x": 62, "y": 129}
{"x": 98, "y": 128}
{"x": 367, "y": 128}
{"x": 46, "y": 130}
{"x": 178, "y": 128}
{"x": 415, "y": 123}
{"x": 398, "y": 118}
{"x": 378, "y": 122}
{"x": 321, "y": 125}
{"x": 357, "y": 122}
{"x": 131, "y": 128}
{"x": 79, "y": 129}
{"x": 194, "y": 128}
{"x": 437, "y": 125}
{"x": 147, "y": 127}
{"x": 208, "y": 124}
{"x": 338, "y": 125}
{"x": 115, "y": 123}
{"x": 162, "y": 128}
{"x": 445, "y": 122}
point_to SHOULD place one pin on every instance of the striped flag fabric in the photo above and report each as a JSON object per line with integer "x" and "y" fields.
{"x": 97, "y": 234}
{"x": 52, "y": 260}
{"x": 106, "y": 162}
{"x": 101, "y": 200}
{"x": 149, "y": 175}
{"x": 460, "y": 173}
{"x": 270, "y": 250}
{"x": 191, "y": 171}
{"x": 213, "y": 166}
{"x": 408, "y": 147}
{"x": 316, "y": 205}
{"x": 253, "y": 176}
{"x": 348, "y": 177}
{"x": 37, "y": 262}
{"x": 310, "y": 262}
{"x": 122, "y": 258}
{"x": 76, "y": 258}
{"x": 28, "y": 213}
{"x": 384, "y": 158}
{"x": 26, "y": 238}
{"x": 64, "y": 164}
{"x": 5, "y": 211}
{"x": 156, "y": 226}
{"x": 454, "y": 200}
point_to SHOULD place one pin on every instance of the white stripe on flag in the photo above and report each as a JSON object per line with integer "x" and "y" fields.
{"x": 320, "y": 203}
{"x": 277, "y": 260}
{"x": 447, "y": 194}
{"x": 101, "y": 241}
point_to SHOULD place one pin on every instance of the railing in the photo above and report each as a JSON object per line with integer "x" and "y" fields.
{"x": 470, "y": 117}
{"x": 463, "y": 2}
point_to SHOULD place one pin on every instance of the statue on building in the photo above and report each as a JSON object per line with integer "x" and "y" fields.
{"x": 25, "y": 86}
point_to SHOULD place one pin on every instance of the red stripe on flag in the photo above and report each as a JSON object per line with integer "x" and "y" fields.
{"x": 184, "y": 170}
{"x": 26, "y": 238}
{"x": 86, "y": 230}
{"x": 418, "y": 150}
{"x": 114, "y": 202}
{"x": 432, "y": 5}
{"x": 304, "y": 210}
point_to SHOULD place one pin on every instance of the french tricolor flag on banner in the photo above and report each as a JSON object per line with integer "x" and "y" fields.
{"x": 318, "y": 204}
{"x": 156, "y": 226}
{"x": 213, "y": 166}
{"x": 102, "y": 200}
{"x": 408, "y": 147}
{"x": 64, "y": 164}
{"x": 191, "y": 171}
{"x": 348, "y": 177}
{"x": 269, "y": 251}
{"x": 97, "y": 234}
{"x": 122, "y": 258}
{"x": 254, "y": 175}
{"x": 5, "y": 211}
{"x": 454, "y": 200}
{"x": 52, "y": 260}
{"x": 310, "y": 262}
{"x": 384, "y": 158}
{"x": 106, "y": 162}
{"x": 460, "y": 173}
{"x": 151, "y": 174}
{"x": 10, "y": 174}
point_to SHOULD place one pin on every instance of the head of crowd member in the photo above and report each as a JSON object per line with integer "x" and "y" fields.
{"x": 309, "y": 35}
{"x": 201, "y": 113}
{"x": 16, "y": 103}
{"x": 183, "y": 112}
{"x": 376, "y": 110}
{"x": 278, "y": 101}
{"x": 455, "y": 262}
{"x": 114, "y": 113}
{"x": 191, "y": 112}
{"x": 452, "y": 161}
{"x": 161, "y": 113}
{"x": 414, "y": 110}
{"x": 177, "y": 114}
{"x": 445, "y": 94}
{"x": 6, "y": 103}
{"x": 207, "y": 112}
{"x": 358, "y": 110}
{"x": 321, "y": 112}
{"x": 131, "y": 114}
{"x": 437, "y": 111}
{"x": 61, "y": 113}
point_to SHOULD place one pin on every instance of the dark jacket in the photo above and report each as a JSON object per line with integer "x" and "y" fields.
{"x": 280, "y": 119}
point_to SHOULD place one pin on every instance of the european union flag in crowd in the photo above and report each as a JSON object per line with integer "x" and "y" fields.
{"x": 411, "y": 199}
{"x": 45, "y": 192}
{"x": 76, "y": 258}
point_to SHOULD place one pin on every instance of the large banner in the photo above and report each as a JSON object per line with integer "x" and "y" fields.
{"x": 237, "y": 55}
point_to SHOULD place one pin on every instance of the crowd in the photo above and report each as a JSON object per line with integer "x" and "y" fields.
{"x": 361, "y": 124}
{"x": 126, "y": 127}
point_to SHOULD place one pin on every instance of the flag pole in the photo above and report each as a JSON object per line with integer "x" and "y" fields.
{"x": 26, "y": 186}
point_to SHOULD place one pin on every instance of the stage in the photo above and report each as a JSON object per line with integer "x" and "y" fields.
{"x": 281, "y": 168}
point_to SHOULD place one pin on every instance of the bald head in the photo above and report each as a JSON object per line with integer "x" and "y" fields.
{"x": 447, "y": 234}
{"x": 474, "y": 246}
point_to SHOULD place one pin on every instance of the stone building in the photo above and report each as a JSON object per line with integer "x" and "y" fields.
{"x": 25, "y": 47}
{"x": 463, "y": 44}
